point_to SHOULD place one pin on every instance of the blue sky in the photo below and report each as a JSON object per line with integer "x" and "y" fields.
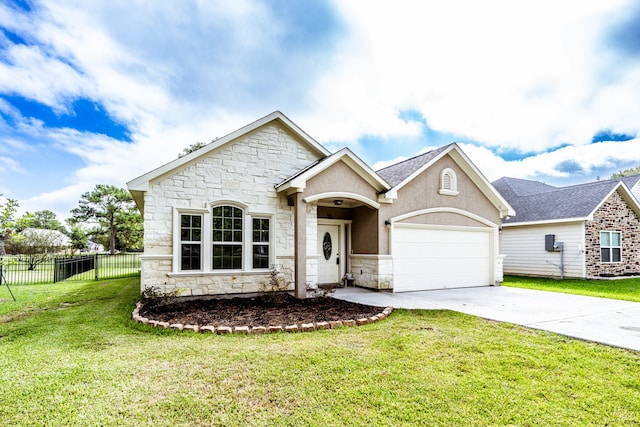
{"x": 100, "y": 92}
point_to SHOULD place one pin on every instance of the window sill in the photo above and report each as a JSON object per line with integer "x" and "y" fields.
{"x": 448, "y": 192}
{"x": 217, "y": 273}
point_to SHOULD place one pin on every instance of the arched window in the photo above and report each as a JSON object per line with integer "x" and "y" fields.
{"x": 227, "y": 237}
{"x": 448, "y": 182}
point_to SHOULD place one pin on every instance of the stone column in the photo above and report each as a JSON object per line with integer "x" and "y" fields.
{"x": 300, "y": 246}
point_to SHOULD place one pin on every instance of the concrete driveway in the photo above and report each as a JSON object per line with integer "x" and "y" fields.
{"x": 607, "y": 321}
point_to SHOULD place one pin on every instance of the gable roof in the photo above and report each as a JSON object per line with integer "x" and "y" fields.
{"x": 536, "y": 202}
{"x": 139, "y": 185}
{"x": 299, "y": 180}
{"x": 514, "y": 187}
{"x": 401, "y": 173}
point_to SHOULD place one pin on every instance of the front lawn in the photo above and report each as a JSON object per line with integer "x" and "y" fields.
{"x": 624, "y": 289}
{"x": 70, "y": 355}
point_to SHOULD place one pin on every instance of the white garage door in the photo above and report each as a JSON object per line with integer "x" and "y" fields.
{"x": 426, "y": 257}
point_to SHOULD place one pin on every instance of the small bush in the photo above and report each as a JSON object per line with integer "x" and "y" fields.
{"x": 153, "y": 297}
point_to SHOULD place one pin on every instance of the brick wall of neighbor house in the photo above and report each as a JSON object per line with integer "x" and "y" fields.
{"x": 613, "y": 215}
{"x": 244, "y": 171}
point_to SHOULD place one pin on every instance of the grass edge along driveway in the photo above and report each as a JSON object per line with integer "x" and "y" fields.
{"x": 70, "y": 355}
{"x": 622, "y": 289}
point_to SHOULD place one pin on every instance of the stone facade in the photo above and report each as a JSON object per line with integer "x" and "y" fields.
{"x": 244, "y": 172}
{"x": 614, "y": 215}
{"x": 372, "y": 271}
{"x": 272, "y": 170}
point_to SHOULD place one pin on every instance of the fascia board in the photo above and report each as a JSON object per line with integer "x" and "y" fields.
{"x": 364, "y": 171}
{"x": 350, "y": 159}
{"x": 481, "y": 181}
{"x": 626, "y": 194}
{"x": 142, "y": 182}
{"x": 546, "y": 222}
{"x": 422, "y": 169}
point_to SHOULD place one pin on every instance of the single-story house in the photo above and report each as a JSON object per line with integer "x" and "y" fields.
{"x": 583, "y": 231}
{"x": 217, "y": 219}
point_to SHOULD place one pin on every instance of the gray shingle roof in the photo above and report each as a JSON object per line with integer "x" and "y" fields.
{"x": 631, "y": 181}
{"x": 398, "y": 172}
{"x": 536, "y": 201}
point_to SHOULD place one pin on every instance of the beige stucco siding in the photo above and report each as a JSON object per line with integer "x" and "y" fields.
{"x": 524, "y": 247}
{"x": 242, "y": 171}
{"x": 339, "y": 178}
{"x": 423, "y": 193}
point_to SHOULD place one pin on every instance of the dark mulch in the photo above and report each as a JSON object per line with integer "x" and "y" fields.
{"x": 259, "y": 311}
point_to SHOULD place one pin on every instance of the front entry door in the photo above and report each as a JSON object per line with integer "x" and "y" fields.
{"x": 329, "y": 253}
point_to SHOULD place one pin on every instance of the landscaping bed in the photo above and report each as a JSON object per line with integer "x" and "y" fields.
{"x": 260, "y": 314}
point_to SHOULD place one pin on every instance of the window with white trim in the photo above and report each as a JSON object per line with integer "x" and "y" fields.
{"x": 261, "y": 242}
{"x": 190, "y": 242}
{"x": 610, "y": 246}
{"x": 223, "y": 237}
{"x": 448, "y": 182}
{"x": 227, "y": 238}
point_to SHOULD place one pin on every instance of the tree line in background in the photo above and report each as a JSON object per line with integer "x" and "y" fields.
{"x": 106, "y": 216}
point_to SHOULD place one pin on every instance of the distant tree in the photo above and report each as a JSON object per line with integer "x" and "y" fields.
{"x": 130, "y": 230}
{"x": 626, "y": 172}
{"x": 47, "y": 220}
{"x": 105, "y": 206}
{"x": 33, "y": 245}
{"x": 27, "y": 220}
{"x": 41, "y": 219}
{"x": 190, "y": 149}
{"x": 78, "y": 236}
{"x": 8, "y": 208}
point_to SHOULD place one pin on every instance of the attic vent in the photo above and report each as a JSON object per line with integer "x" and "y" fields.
{"x": 448, "y": 182}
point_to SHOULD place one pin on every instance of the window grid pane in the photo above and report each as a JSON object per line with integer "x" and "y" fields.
{"x": 227, "y": 237}
{"x": 190, "y": 228}
{"x": 227, "y": 224}
{"x": 227, "y": 257}
{"x": 610, "y": 246}
{"x": 190, "y": 237}
{"x": 190, "y": 257}
{"x": 261, "y": 242}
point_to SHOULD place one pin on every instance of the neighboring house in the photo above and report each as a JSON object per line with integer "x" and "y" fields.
{"x": 94, "y": 247}
{"x": 217, "y": 219}
{"x": 50, "y": 241}
{"x": 595, "y": 228}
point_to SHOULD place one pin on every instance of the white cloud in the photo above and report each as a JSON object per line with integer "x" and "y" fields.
{"x": 525, "y": 75}
{"x": 602, "y": 157}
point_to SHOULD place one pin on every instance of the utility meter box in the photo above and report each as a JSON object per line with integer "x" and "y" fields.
{"x": 550, "y": 242}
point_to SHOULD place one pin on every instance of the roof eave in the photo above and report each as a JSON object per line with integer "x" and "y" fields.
{"x": 141, "y": 183}
{"x": 546, "y": 221}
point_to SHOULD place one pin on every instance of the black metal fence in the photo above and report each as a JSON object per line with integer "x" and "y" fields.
{"x": 22, "y": 269}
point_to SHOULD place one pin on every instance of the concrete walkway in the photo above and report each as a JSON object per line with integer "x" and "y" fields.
{"x": 607, "y": 321}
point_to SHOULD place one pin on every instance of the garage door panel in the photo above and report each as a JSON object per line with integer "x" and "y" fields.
{"x": 431, "y": 258}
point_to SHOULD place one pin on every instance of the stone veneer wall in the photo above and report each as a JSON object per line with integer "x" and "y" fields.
{"x": 372, "y": 271}
{"x": 613, "y": 215}
{"x": 244, "y": 171}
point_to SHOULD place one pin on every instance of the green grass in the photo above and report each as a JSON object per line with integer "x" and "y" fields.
{"x": 623, "y": 289}
{"x": 70, "y": 355}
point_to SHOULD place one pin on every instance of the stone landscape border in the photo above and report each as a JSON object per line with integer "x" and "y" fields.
{"x": 221, "y": 330}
